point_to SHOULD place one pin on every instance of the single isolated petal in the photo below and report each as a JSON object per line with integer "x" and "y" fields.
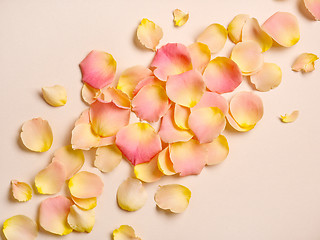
{"x": 218, "y": 150}
{"x": 85, "y": 185}
{"x": 267, "y": 78}
{"x": 288, "y": 118}
{"x": 171, "y": 59}
{"x": 222, "y": 75}
{"x": 125, "y": 232}
{"x": 180, "y": 17}
{"x": 236, "y": 126}
{"x": 89, "y": 94}
{"x": 148, "y": 172}
{"x": 83, "y": 137}
{"x": 138, "y": 142}
{"x": 131, "y": 195}
{"x": 152, "y": 80}
{"x": 235, "y": 27}
{"x": 81, "y": 220}
{"x": 53, "y": 215}
{"x": 188, "y": 157}
{"x": 36, "y": 135}
{"x": 55, "y": 96}
{"x": 283, "y": 27}
{"x": 173, "y": 197}
{"x": 119, "y": 98}
{"x": 21, "y": 191}
{"x": 20, "y": 227}
{"x": 212, "y": 99}
{"x": 200, "y": 55}
{"x": 181, "y": 116}
{"x": 305, "y": 62}
{"x": 107, "y": 158}
{"x": 164, "y": 162}
{"x": 314, "y": 8}
{"x": 214, "y": 36}
{"x": 85, "y": 203}
{"x": 149, "y": 34}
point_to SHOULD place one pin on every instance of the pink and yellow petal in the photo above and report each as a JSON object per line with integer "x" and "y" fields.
{"x": 119, "y": 98}
{"x": 313, "y": 7}
{"x": 106, "y": 141}
{"x": 235, "y": 27}
{"x": 212, "y": 99}
{"x": 81, "y": 220}
{"x": 83, "y": 137}
{"x": 218, "y": 150}
{"x": 164, "y": 162}
{"x": 85, "y": 203}
{"x": 107, "y": 158}
{"x": 84, "y": 118}
{"x": 288, "y": 118}
{"x": 305, "y": 62}
{"x": 148, "y": 81}
{"x": 21, "y": 191}
{"x": 236, "y": 126}
{"x": 20, "y": 227}
{"x": 181, "y": 116}
{"x": 55, "y": 96}
{"x": 89, "y": 94}
{"x": 149, "y": 34}
{"x": 200, "y": 55}
{"x": 179, "y": 17}
{"x": 124, "y": 232}
{"x": 148, "y": 172}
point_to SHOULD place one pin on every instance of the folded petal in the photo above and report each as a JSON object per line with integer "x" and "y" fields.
{"x": 149, "y": 34}
{"x": 212, "y": 99}
{"x": 148, "y": 172}
{"x": 81, "y": 220}
{"x": 131, "y": 195}
{"x": 181, "y": 116}
{"x": 222, "y": 75}
{"x": 98, "y": 69}
{"x": 138, "y": 142}
{"x": 55, "y": 96}
{"x": 200, "y": 55}
{"x": 85, "y": 203}
{"x": 288, "y": 118}
{"x": 164, "y": 162}
{"x": 188, "y": 158}
{"x": 152, "y": 80}
{"x": 89, "y": 94}
{"x": 218, "y": 150}
{"x": 36, "y": 135}
{"x": 83, "y": 137}
{"x": 173, "y": 197}
{"x": 20, "y": 227}
{"x": 235, "y": 27}
{"x": 214, "y": 36}
{"x": 236, "y": 126}
{"x": 314, "y": 8}
{"x": 267, "y": 78}
{"x": 119, "y": 98}
{"x": 125, "y": 232}
{"x": 305, "y": 62}
{"x": 283, "y": 27}
{"x": 21, "y": 191}
{"x": 107, "y": 158}
{"x": 179, "y": 17}
{"x": 171, "y": 59}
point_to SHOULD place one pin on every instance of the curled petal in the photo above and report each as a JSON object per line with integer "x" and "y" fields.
{"x": 179, "y": 17}
{"x": 36, "y": 135}
{"x": 173, "y": 197}
{"x": 222, "y": 75}
{"x": 305, "y": 62}
{"x": 85, "y": 203}
{"x": 188, "y": 157}
{"x": 21, "y": 191}
{"x": 85, "y": 185}
{"x": 138, "y": 142}
{"x": 171, "y": 59}
{"x": 267, "y": 78}
{"x": 235, "y": 27}
{"x": 51, "y": 179}
{"x": 181, "y": 115}
{"x": 283, "y": 27}
{"x": 236, "y": 126}
{"x": 89, "y": 94}
{"x": 164, "y": 162}
{"x": 98, "y": 69}
{"x": 218, "y": 150}
{"x": 83, "y": 137}
{"x": 81, "y": 220}
{"x": 131, "y": 195}
{"x": 149, "y": 34}
{"x": 288, "y": 118}
{"x": 125, "y": 232}
{"x": 314, "y": 8}
{"x": 20, "y": 227}
{"x": 214, "y": 36}
{"x": 53, "y": 215}
{"x": 212, "y": 99}
{"x": 148, "y": 172}
{"x": 200, "y": 55}
{"x": 148, "y": 81}
{"x": 107, "y": 158}
{"x": 55, "y": 96}
{"x": 119, "y": 98}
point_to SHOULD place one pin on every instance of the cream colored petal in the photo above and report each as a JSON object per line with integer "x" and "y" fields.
{"x": 81, "y": 220}
{"x": 200, "y": 55}
{"x": 288, "y": 118}
{"x": 55, "y": 96}
{"x": 218, "y": 150}
{"x": 149, "y": 34}
{"x": 107, "y": 158}
{"x": 235, "y": 27}
{"x": 125, "y": 232}
{"x": 180, "y": 17}
{"x": 314, "y": 8}
{"x": 164, "y": 162}
{"x": 181, "y": 116}
{"x": 85, "y": 203}
{"x": 305, "y": 62}
{"x": 148, "y": 172}
{"x": 89, "y": 94}
{"x": 83, "y": 137}
{"x": 20, "y": 227}
{"x": 21, "y": 191}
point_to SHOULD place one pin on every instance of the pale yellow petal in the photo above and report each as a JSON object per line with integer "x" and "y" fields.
{"x": 56, "y": 95}
{"x": 235, "y": 27}
{"x": 85, "y": 203}
{"x": 81, "y": 220}
{"x": 149, "y": 34}
{"x": 20, "y": 227}
{"x": 180, "y": 17}
{"x": 107, "y": 158}
{"x": 305, "y": 62}
{"x": 288, "y": 118}
{"x": 148, "y": 172}
{"x": 125, "y": 232}
{"x": 21, "y": 191}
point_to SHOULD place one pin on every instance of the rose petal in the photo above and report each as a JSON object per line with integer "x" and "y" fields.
{"x": 83, "y": 137}
{"x": 20, "y": 227}
{"x": 267, "y": 78}
{"x": 125, "y": 232}
{"x": 305, "y": 62}
{"x": 222, "y": 75}
{"x": 106, "y": 141}
{"x": 164, "y": 162}
{"x": 200, "y": 55}
{"x": 218, "y": 150}
{"x": 236, "y": 126}
{"x": 85, "y": 185}
{"x": 81, "y": 220}
{"x": 55, "y": 96}
{"x": 214, "y": 36}
{"x": 188, "y": 158}
{"x": 119, "y": 98}
{"x": 148, "y": 81}
{"x": 171, "y": 59}
{"x": 138, "y": 142}
{"x": 314, "y": 8}
{"x": 288, "y": 118}
{"x": 212, "y": 99}
{"x": 149, "y": 34}
{"x": 131, "y": 195}
{"x": 89, "y": 94}
{"x": 235, "y": 27}
{"x": 21, "y": 191}
{"x": 85, "y": 203}
{"x": 173, "y": 197}
{"x": 107, "y": 158}
{"x": 181, "y": 115}
{"x": 180, "y": 18}
{"x": 283, "y": 27}
{"x": 84, "y": 118}
{"x": 148, "y": 172}
{"x": 36, "y": 135}
{"x": 53, "y": 215}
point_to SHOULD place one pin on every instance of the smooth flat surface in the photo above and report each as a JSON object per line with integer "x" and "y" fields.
{"x": 268, "y": 188}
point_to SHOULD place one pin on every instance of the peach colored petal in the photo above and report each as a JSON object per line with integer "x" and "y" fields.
{"x": 131, "y": 195}
{"x": 248, "y": 56}
{"x": 181, "y": 115}
{"x": 179, "y": 17}
{"x": 106, "y": 141}
{"x": 124, "y": 232}
{"x": 130, "y": 77}
{"x": 85, "y": 203}
{"x": 107, "y": 119}
{"x": 222, "y": 75}
{"x": 36, "y": 135}
{"x": 283, "y": 27}
{"x": 119, "y": 98}
{"x": 81, "y": 220}
{"x": 148, "y": 81}
{"x": 188, "y": 158}
{"x": 212, "y": 99}
{"x": 267, "y": 78}
{"x": 214, "y": 36}
{"x": 149, "y": 34}
{"x": 55, "y": 96}
{"x": 186, "y": 88}
{"x": 235, "y": 27}
{"x": 164, "y": 162}
{"x": 53, "y": 215}
{"x": 89, "y": 94}
{"x": 150, "y": 103}
{"x": 171, "y": 59}
{"x": 20, "y": 227}
{"x": 252, "y": 32}
{"x": 84, "y": 118}
{"x": 288, "y": 118}
{"x": 200, "y": 55}
{"x": 148, "y": 172}
{"x": 173, "y": 197}
{"x": 236, "y": 126}
{"x": 305, "y": 62}
{"x": 21, "y": 191}
{"x": 138, "y": 142}
{"x": 85, "y": 185}
{"x": 51, "y": 179}
{"x": 314, "y": 8}
{"x": 107, "y": 158}
{"x": 218, "y": 150}
{"x": 83, "y": 137}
